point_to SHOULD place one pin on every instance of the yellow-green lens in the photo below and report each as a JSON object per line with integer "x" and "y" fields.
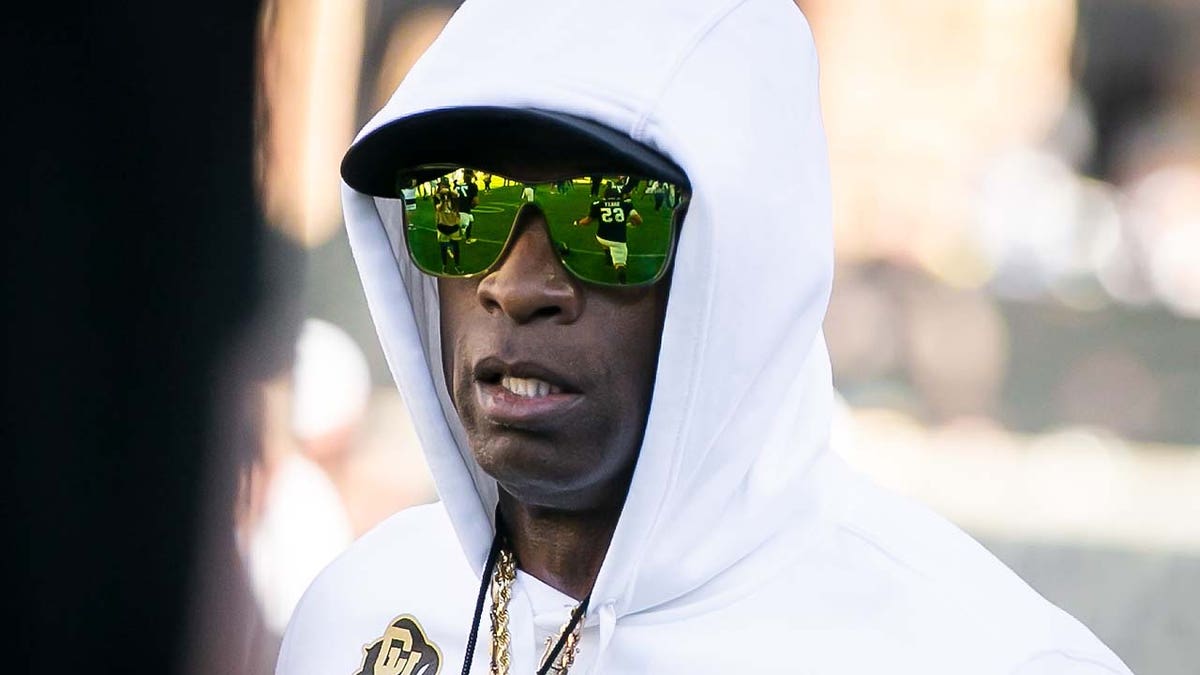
{"x": 607, "y": 229}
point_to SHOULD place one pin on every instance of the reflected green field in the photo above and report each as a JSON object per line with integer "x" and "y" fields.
{"x": 648, "y": 243}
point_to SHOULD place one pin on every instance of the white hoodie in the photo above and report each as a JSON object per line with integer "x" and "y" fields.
{"x": 745, "y": 545}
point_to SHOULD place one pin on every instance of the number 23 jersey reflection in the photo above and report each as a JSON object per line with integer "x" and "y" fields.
{"x": 611, "y": 216}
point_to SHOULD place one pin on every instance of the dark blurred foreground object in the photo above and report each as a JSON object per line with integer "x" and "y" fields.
{"x": 130, "y": 259}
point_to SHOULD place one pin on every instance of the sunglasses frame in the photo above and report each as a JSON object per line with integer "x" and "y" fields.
{"x": 677, "y": 216}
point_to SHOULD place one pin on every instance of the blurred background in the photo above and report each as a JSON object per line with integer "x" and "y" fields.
{"x": 1014, "y": 325}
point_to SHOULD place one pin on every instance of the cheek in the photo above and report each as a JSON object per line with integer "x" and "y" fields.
{"x": 634, "y": 333}
{"x": 455, "y": 298}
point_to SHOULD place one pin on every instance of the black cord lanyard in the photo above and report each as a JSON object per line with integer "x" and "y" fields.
{"x": 488, "y": 568}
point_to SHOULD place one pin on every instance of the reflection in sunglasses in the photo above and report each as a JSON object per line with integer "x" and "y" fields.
{"x": 609, "y": 230}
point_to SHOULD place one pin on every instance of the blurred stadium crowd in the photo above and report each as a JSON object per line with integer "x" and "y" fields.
{"x": 1014, "y": 322}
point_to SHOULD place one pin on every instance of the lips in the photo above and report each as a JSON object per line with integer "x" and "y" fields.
{"x": 493, "y": 370}
{"x": 523, "y": 394}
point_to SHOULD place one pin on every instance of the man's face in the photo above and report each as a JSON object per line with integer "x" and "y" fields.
{"x": 551, "y": 377}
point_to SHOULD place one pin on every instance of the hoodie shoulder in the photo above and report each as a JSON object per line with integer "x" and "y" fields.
{"x": 411, "y": 564}
{"x": 947, "y": 584}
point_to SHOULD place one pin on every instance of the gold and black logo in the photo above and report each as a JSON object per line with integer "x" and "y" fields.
{"x": 403, "y": 650}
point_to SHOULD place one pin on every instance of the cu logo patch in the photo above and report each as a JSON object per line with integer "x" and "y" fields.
{"x": 403, "y": 650}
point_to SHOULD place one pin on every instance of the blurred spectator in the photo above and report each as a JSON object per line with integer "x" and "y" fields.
{"x": 296, "y": 523}
{"x": 331, "y": 386}
{"x": 251, "y": 388}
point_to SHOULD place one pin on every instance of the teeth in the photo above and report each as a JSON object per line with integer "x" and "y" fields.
{"x": 528, "y": 387}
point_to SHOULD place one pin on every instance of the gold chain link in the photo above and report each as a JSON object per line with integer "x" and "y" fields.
{"x": 566, "y": 657}
{"x": 502, "y": 582}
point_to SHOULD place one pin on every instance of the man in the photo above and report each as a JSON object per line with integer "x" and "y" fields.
{"x": 410, "y": 198}
{"x": 637, "y": 479}
{"x": 448, "y": 224}
{"x": 468, "y": 198}
{"x": 659, "y": 196}
{"x": 612, "y": 215}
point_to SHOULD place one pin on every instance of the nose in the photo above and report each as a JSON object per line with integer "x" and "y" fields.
{"x": 530, "y": 283}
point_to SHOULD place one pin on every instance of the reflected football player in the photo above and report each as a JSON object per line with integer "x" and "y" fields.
{"x": 449, "y": 228}
{"x": 467, "y": 194}
{"x": 612, "y": 215}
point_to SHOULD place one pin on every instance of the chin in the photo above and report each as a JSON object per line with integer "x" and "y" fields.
{"x": 535, "y": 472}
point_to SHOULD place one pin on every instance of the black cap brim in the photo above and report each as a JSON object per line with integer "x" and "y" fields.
{"x": 523, "y": 144}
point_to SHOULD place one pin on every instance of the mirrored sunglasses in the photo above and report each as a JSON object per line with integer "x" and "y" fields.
{"x": 607, "y": 229}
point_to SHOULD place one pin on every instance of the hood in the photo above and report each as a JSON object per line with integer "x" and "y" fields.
{"x": 732, "y": 459}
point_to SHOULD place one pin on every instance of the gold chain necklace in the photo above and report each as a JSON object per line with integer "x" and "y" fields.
{"x": 502, "y": 583}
